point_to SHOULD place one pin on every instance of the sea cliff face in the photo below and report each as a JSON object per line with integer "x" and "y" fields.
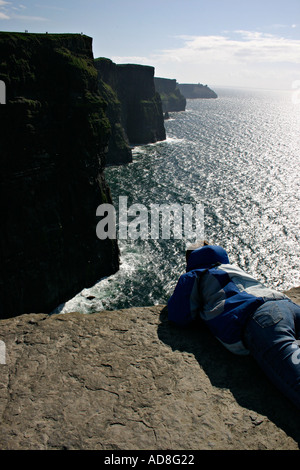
{"x": 54, "y": 133}
{"x": 140, "y": 104}
{"x": 119, "y": 151}
{"x": 171, "y": 97}
{"x": 142, "y": 111}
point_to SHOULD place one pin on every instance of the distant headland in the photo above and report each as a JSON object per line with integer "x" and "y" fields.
{"x": 193, "y": 91}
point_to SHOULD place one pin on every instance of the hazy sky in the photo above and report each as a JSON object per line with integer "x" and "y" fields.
{"x": 247, "y": 43}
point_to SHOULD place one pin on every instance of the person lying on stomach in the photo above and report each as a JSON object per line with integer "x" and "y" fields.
{"x": 243, "y": 314}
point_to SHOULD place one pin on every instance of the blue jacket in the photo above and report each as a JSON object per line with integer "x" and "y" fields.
{"x": 223, "y": 295}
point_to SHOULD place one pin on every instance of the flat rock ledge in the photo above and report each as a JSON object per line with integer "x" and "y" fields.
{"x": 129, "y": 380}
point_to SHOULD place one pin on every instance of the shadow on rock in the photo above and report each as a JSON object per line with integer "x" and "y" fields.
{"x": 240, "y": 374}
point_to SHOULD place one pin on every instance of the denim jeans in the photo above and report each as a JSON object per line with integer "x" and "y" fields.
{"x": 272, "y": 335}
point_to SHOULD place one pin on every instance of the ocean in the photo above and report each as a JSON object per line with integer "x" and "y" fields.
{"x": 237, "y": 157}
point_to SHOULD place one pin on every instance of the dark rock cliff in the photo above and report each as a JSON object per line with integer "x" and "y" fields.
{"x": 119, "y": 151}
{"x": 54, "y": 133}
{"x": 192, "y": 91}
{"x": 171, "y": 97}
{"x": 140, "y": 104}
{"x": 142, "y": 111}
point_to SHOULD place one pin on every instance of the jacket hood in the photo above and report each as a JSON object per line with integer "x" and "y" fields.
{"x": 207, "y": 256}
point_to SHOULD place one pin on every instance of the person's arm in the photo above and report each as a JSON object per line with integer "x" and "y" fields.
{"x": 180, "y": 308}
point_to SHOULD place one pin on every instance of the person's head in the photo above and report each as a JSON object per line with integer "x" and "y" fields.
{"x": 193, "y": 247}
{"x": 205, "y": 255}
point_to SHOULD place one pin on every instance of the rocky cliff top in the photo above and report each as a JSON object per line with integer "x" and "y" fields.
{"x": 129, "y": 380}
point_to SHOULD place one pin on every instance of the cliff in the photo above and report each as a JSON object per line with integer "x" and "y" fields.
{"x": 130, "y": 380}
{"x": 193, "y": 91}
{"x": 119, "y": 151}
{"x": 54, "y": 133}
{"x": 171, "y": 97}
{"x": 140, "y": 105}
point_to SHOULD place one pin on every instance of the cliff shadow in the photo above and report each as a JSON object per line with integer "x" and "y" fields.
{"x": 240, "y": 374}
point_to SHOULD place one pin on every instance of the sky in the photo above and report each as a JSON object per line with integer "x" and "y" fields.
{"x": 230, "y": 43}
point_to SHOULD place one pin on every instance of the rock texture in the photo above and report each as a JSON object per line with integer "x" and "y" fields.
{"x": 140, "y": 105}
{"x": 171, "y": 97}
{"x": 54, "y": 134}
{"x": 194, "y": 91}
{"x": 130, "y": 380}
